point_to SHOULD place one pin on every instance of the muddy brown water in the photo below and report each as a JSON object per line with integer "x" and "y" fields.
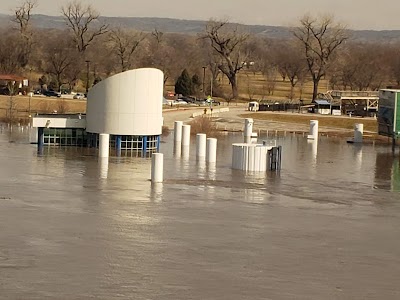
{"x": 326, "y": 227}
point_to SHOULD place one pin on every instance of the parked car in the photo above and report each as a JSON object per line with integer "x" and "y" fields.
{"x": 180, "y": 102}
{"x": 187, "y": 99}
{"x": 211, "y": 101}
{"x": 51, "y": 93}
{"x": 201, "y": 102}
{"x": 79, "y": 96}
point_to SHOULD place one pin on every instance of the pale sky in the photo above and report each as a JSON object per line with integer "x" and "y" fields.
{"x": 356, "y": 14}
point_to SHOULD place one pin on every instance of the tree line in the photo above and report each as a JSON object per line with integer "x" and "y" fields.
{"x": 320, "y": 48}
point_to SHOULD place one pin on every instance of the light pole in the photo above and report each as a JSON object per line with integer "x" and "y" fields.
{"x": 211, "y": 85}
{"x": 30, "y": 94}
{"x": 204, "y": 81}
{"x": 87, "y": 75}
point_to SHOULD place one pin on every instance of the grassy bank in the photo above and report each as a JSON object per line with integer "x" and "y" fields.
{"x": 17, "y": 108}
{"x": 334, "y": 122}
{"x": 255, "y": 86}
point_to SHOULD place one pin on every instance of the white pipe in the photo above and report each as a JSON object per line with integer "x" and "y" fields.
{"x": 178, "y": 131}
{"x": 104, "y": 145}
{"x": 185, "y": 135}
{"x": 201, "y": 139}
{"x": 313, "y": 130}
{"x": 211, "y": 150}
{"x": 248, "y": 130}
{"x": 358, "y": 133}
{"x": 157, "y": 167}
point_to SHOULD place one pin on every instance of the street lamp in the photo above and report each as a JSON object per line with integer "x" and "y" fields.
{"x": 87, "y": 75}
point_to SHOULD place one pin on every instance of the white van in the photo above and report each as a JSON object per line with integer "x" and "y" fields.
{"x": 254, "y": 106}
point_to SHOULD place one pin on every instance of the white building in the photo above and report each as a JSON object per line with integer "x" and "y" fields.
{"x": 127, "y": 106}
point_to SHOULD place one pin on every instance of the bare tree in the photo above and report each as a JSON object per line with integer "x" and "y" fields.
{"x": 124, "y": 44}
{"x": 12, "y": 53}
{"x": 291, "y": 63}
{"x": 22, "y": 17}
{"x": 227, "y": 41}
{"x": 83, "y": 21}
{"x": 59, "y": 60}
{"x": 362, "y": 67}
{"x": 170, "y": 55}
{"x": 320, "y": 38}
{"x": 394, "y": 68}
{"x": 158, "y": 35}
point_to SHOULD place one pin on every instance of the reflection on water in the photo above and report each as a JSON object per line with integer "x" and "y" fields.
{"x": 332, "y": 214}
{"x": 387, "y": 171}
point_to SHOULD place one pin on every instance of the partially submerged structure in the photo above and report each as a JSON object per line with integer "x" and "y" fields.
{"x": 389, "y": 113}
{"x": 359, "y": 103}
{"x": 126, "y": 106}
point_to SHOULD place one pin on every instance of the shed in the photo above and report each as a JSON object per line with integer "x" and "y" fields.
{"x": 322, "y": 107}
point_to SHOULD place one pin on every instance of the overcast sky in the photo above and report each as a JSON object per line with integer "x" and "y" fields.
{"x": 357, "y": 14}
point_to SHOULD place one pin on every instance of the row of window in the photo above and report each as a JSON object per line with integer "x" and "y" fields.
{"x": 130, "y": 145}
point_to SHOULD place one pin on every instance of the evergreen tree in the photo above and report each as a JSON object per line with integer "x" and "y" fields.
{"x": 196, "y": 84}
{"x": 183, "y": 84}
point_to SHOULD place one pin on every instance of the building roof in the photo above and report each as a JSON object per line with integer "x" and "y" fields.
{"x": 9, "y": 77}
{"x": 322, "y": 102}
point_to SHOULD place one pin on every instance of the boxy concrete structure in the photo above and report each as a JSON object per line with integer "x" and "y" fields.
{"x": 389, "y": 113}
{"x": 126, "y": 106}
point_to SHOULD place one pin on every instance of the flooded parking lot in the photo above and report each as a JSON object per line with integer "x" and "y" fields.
{"x": 325, "y": 227}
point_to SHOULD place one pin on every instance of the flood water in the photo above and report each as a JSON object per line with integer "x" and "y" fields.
{"x": 327, "y": 226}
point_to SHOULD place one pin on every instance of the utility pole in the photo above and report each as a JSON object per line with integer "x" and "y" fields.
{"x": 87, "y": 75}
{"x": 211, "y": 85}
{"x": 204, "y": 81}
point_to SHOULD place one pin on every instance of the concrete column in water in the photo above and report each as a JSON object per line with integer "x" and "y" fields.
{"x": 40, "y": 140}
{"x": 103, "y": 167}
{"x": 157, "y": 167}
{"x": 358, "y": 133}
{"x": 118, "y": 140}
{"x": 201, "y": 139}
{"x": 211, "y": 156}
{"x": 313, "y": 130}
{"x": 104, "y": 145}
{"x": 178, "y": 131}
{"x": 248, "y": 130}
{"x": 144, "y": 146}
{"x": 185, "y": 135}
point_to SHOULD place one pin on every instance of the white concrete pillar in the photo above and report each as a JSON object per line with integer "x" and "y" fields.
{"x": 358, "y": 133}
{"x": 248, "y": 130}
{"x": 103, "y": 167}
{"x": 178, "y": 131}
{"x": 211, "y": 156}
{"x": 185, "y": 152}
{"x": 185, "y": 135}
{"x": 201, "y": 139}
{"x": 314, "y": 151}
{"x": 157, "y": 167}
{"x": 313, "y": 130}
{"x": 104, "y": 145}
{"x": 177, "y": 149}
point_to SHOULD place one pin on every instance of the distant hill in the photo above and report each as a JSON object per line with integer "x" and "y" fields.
{"x": 196, "y": 26}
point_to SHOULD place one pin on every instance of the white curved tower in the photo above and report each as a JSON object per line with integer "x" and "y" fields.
{"x": 128, "y": 103}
